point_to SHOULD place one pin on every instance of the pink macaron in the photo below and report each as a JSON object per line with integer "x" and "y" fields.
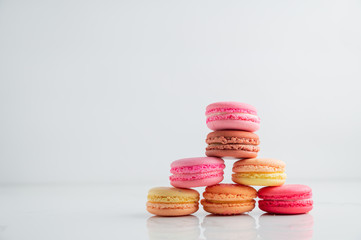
{"x": 232, "y": 116}
{"x": 196, "y": 172}
{"x": 286, "y": 199}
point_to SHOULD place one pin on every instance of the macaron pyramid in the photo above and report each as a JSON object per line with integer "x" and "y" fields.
{"x": 232, "y": 139}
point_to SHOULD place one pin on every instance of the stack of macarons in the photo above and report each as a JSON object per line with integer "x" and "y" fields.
{"x": 233, "y": 138}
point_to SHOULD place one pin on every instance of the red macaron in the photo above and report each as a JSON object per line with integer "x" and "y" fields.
{"x": 286, "y": 199}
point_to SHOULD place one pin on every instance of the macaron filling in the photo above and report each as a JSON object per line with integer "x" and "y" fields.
{"x": 227, "y": 197}
{"x": 172, "y": 205}
{"x": 213, "y": 111}
{"x": 171, "y": 199}
{"x": 243, "y": 147}
{"x": 234, "y": 116}
{"x": 232, "y": 140}
{"x": 257, "y": 168}
{"x": 260, "y": 175}
{"x": 196, "y": 172}
{"x": 195, "y": 176}
{"x": 206, "y": 202}
{"x": 287, "y": 203}
{"x": 197, "y": 168}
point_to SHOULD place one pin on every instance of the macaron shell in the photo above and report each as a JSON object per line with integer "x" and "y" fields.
{"x": 172, "y": 195}
{"x": 225, "y": 189}
{"x": 197, "y": 169}
{"x": 228, "y": 208}
{"x": 262, "y": 180}
{"x": 259, "y": 165}
{"x": 230, "y": 105}
{"x": 286, "y": 207}
{"x": 196, "y": 161}
{"x": 163, "y": 209}
{"x": 197, "y": 183}
{"x": 286, "y": 192}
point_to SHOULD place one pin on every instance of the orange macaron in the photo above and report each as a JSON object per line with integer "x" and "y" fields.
{"x": 228, "y": 199}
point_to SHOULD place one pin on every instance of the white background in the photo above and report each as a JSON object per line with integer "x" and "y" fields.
{"x": 114, "y": 91}
{"x": 97, "y": 98}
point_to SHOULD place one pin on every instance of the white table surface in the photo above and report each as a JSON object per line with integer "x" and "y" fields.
{"x": 115, "y": 211}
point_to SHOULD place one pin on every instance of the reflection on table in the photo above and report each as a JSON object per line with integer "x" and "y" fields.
{"x": 277, "y": 227}
{"x": 229, "y": 227}
{"x": 295, "y": 227}
{"x": 174, "y": 228}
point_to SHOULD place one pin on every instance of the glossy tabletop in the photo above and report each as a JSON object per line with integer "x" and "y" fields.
{"x": 116, "y": 211}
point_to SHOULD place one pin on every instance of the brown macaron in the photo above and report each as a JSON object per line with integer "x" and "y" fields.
{"x": 231, "y": 143}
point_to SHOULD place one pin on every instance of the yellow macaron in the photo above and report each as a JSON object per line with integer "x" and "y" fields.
{"x": 170, "y": 201}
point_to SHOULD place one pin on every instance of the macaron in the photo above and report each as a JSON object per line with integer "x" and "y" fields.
{"x": 196, "y": 172}
{"x": 168, "y": 201}
{"x": 231, "y": 143}
{"x": 286, "y": 199}
{"x": 259, "y": 172}
{"x": 232, "y": 115}
{"x": 228, "y": 199}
